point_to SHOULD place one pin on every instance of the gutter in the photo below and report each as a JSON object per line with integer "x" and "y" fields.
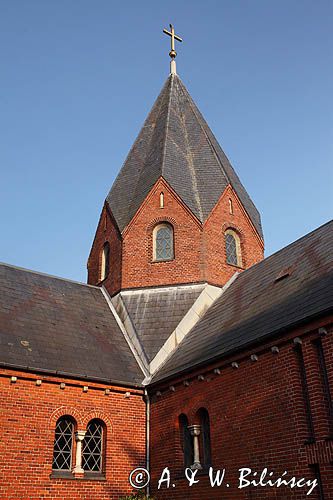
{"x": 76, "y": 376}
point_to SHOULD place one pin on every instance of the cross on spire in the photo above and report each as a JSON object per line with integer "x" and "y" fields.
{"x": 172, "y": 52}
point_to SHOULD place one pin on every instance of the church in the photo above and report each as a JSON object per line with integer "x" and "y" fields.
{"x": 186, "y": 353}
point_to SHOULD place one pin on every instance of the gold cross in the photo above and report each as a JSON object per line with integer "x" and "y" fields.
{"x": 174, "y": 37}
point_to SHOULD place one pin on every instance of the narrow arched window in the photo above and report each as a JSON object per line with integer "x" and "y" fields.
{"x": 206, "y": 459}
{"x": 232, "y": 248}
{"x": 92, "y": 454}
{"x": 186, "y": 441}
{"x": 161, "y": 200}
{"x": 105, "y": 261}
{"x": 63, "y": 444}
{"x": 163, "y": 242}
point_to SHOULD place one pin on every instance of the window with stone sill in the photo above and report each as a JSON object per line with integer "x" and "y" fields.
{"x": 76, "y": 451}
{"x": 232, "y": 248}
{"x": 163, "y": 243}
{"x": 196, "y": 442}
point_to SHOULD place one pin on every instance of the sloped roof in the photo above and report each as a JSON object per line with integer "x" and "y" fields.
{"x": 261, "y": 302}
{"x": 176, "y": 143}
{"x": 156, "y": 312}
{"x": 61, "y": 326}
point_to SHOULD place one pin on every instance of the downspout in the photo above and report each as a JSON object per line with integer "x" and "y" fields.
{"x": 147, "y": 436}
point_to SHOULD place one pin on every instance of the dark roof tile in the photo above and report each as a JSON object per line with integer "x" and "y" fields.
{"x": 156, "y": 312}
{"x": 53, "y": 324}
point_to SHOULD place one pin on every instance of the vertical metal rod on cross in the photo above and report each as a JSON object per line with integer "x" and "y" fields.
{"x": 172, "y": 52}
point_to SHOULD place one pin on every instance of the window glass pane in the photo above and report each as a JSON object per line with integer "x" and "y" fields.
{"x": 186, "y": 441}
{"x": 105, "y": 264}
{"x": 164, "y": 243}
{"x": 107, "y": 259}
{"x": 231, "y": 249}
{"x": 92, "y": 447}
{"x": 62, "y": 451}
{"x": 205, "y": 436}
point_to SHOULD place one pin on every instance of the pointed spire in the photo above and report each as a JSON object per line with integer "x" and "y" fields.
{"x": 172, "y": 53}
{"x": 177, "y": 144}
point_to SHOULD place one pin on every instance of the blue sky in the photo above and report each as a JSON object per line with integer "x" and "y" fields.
{"x": 79, "y": 77}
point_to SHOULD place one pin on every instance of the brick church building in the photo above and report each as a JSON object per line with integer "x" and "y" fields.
{"x": 186, "y": 349}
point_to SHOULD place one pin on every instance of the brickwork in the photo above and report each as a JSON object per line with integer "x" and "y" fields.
{"x": 199, "y": 249}
{"x": 106, "y": 232}
{"x": 257, "y": 419}
{"x": 28, "y": 418}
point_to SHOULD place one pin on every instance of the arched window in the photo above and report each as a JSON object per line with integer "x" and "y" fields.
{"x": 163, "y": 242}
{"x": 63, "y": 444}
{"x": 232, "y": 248}
{"x": 105, "y": 261}
{"x": 186, "y": 440}
{"x": 205, "y": 455}
{"x": 92, "y": 454}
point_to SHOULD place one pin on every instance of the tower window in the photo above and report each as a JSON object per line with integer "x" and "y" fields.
{"x": 63, "y": 444}
{"x": 163, "y": 242}
{"x": 105, "y": 261}
{"x": 162, "y": 200}
{"x": 232, "y": 248}
{"x": 93, "y": 447}
{"x": 231, "y": 208}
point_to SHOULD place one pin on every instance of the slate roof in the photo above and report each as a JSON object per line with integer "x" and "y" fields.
{"x": 156, "y": 312}
{"x": 176, "y": 143}
{"x": 257, "y": 306}
{"x": 51, "y": 324}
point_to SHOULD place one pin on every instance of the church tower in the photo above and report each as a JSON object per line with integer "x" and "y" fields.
{"x": 177, "y": 212}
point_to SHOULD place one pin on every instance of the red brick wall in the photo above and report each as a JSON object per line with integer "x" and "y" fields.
{"x": 106, "y": 232}
{"x": 28, "y": 418}
{"x": 257, "y": 419}
{"x": 199, "y": 249}
{"x": 138, "y": 266}
{"x": 214, "y": 258}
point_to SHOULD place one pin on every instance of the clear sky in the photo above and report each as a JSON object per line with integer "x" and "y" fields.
{"x": 79, "y": 77}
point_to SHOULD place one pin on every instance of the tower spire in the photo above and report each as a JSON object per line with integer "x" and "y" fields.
{"x": 172, "y": 52}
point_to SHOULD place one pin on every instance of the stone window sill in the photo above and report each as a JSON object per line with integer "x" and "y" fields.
{"x": 68, "y": 475}
{"x": 201, "y": 472}
{"x": 162, "y": 261}
{"x": 236, "y": 266}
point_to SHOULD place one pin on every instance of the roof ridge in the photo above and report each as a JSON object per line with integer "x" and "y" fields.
{"x": 190, "y": 156}
{"x": 171, "y": 78}
{"x": 168, "y": 82}
{"x": 194, "y": 109}
{"x": 207, "y": 132}
{"x": 40, "y": 273}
